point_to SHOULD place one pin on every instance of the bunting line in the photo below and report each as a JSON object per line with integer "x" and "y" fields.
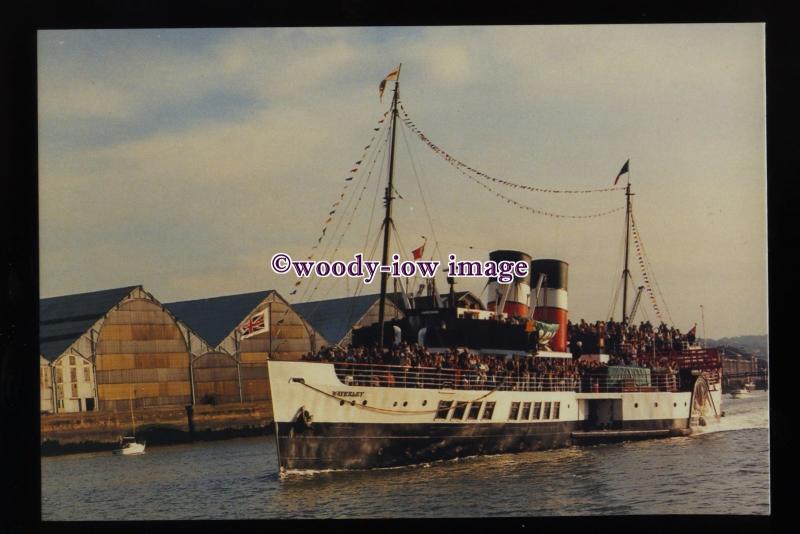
{"x": 335, "y": 206}
{"x": 533, "y": 210}
{"x": 458, "y": 163}
{"x": 642, "y": 259}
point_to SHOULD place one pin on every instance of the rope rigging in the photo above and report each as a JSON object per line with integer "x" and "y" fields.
{"x": 377, "y": 149}
{"x": 422, "y": 195}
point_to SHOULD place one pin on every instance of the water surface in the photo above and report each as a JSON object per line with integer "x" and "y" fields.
{"x": 721, "y": 470}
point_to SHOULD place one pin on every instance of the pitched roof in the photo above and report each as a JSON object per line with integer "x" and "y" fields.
{"x": 333, "y": 318}
{"x": 214, "y": 318}
{"x": 64, "y": 319}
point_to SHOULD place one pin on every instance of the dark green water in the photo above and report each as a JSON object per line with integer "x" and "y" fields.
{"x": 724, "y": 470}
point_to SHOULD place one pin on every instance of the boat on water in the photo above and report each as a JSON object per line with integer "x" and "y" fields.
{"x": 346, "y": 414}
{"x": 128, "y": 446}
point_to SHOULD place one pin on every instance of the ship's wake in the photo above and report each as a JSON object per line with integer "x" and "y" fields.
{"x": 740, "y": 414}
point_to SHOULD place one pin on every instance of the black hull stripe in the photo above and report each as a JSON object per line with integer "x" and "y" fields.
{"x": 366, "y": 446}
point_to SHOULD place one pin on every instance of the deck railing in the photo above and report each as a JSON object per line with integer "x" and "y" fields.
{"x": 398, "y": 376}
{"x": 594, "y": 383}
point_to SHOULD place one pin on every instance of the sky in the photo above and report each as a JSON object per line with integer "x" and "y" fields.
{"x": 183, "y": 159}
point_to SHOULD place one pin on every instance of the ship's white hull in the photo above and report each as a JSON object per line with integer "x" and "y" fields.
{"x": 322, "y": 423}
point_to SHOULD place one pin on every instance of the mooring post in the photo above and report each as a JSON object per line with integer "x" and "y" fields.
{"x": 190, "y": 419}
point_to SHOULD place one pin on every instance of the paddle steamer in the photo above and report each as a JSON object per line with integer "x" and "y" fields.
{"x": 356, "y": 416}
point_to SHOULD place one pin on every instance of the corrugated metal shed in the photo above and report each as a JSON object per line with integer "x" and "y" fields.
{"x": 334, "y": 318}
{"x": 64, "y": 319}
{"x": 214, "y": 318}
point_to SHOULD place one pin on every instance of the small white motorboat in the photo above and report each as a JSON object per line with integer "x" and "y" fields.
{"x": 749, "y": 386}
{"x": 129, "y": 446}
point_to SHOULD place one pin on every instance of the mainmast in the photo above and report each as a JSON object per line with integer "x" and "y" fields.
{"x": 626, "y": 273}
{"x": 387, "y": 220}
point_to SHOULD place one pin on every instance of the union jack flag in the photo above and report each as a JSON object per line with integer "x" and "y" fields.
{"x": 257, "y": 324}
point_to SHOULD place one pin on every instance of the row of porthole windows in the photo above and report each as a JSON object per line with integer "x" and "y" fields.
{"x": 364, "y": 403}
{"x": 513, "y": 415}
{"x": 455, "y": 410}
{"x": 537, "y": 414}
{"x": 655, "y": 404}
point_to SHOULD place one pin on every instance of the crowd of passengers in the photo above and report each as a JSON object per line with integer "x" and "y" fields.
{"x": 634, "y": 342}
{"x": 415, "y": 366}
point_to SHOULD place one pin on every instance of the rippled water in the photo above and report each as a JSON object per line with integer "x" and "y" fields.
{"x": 724, "y": 469}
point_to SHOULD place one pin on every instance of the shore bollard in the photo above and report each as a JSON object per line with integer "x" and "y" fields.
{"x": 190, "y": 419}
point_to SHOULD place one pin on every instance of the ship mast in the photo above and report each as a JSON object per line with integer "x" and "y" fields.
{"x": 387, "y": 220}
{"x": 626, "y": 273}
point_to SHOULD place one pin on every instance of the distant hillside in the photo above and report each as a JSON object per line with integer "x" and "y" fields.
{"x": 758, "y": 345}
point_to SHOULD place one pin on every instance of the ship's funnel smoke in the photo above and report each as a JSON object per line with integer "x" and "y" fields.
{"x": 552, "y": 304}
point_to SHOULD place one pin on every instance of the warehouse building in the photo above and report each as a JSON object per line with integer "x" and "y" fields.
{"x": 45, "y": 386}
{"x": 110, "y": 349}
{"x": 232, "y": 367}
{"x": 68, "y": 333}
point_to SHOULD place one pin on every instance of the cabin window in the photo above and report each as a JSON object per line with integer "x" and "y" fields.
{"x": 59, "y": 375}
{"x": 556, "y": 410}
{"x": 461, "y": 407}
{"x": 87, "y": 377}
{"x": 474, "y": 409}
{"x": 546, "y": 414}
{"x": 514, "y": 412}
{"x": 74, "y": 391}
{"x": 73, "y": 375}
{"x": 72, "y": 360}
{"x": 526, "y": 411}
{"x": 425, "y": 403}
{"x": 444, "y": 407}
{"x": 488, "y": 410}
{"x": 537, "y": 410}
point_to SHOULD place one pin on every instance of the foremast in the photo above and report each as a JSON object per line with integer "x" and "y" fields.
{"x": 387, "y": 220}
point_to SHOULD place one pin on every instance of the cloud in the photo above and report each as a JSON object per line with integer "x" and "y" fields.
{"x": 184, "y": 158}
